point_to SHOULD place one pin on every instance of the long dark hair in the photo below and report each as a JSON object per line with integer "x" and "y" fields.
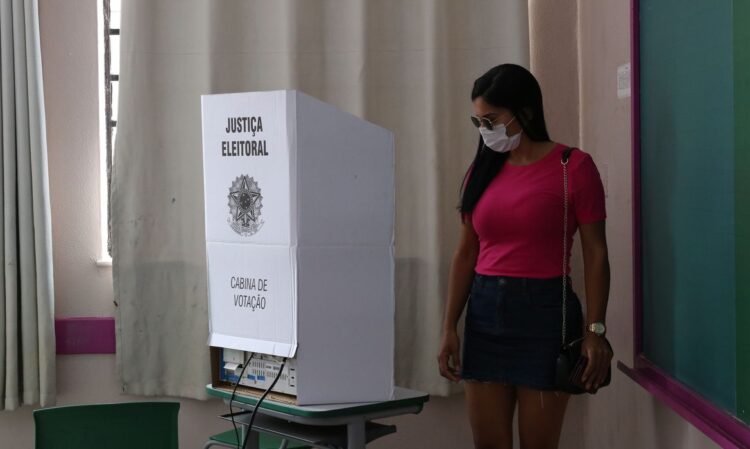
{"x": 512, "y": 87}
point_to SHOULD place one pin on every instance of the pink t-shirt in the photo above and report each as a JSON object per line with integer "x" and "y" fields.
{"x": 519, "y": 217}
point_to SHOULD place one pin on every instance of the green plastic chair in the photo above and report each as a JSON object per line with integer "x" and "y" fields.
{"x": 143, "y": 425}
{"x": 229, "y": 439}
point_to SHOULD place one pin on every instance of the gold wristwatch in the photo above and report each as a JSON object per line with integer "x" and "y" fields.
{"x": 597, "y": 328}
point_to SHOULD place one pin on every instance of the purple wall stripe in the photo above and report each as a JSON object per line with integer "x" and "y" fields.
{"x": 635, "y": 71}
{"x": 723, "y": 428}
{"x": 85, "y": 335}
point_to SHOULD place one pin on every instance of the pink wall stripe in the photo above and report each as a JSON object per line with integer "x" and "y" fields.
{"x": 85, "y": 335}
{"x": 635, "y": 70}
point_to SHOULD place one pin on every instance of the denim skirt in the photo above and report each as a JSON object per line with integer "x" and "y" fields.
{"x": 513, "y": 330}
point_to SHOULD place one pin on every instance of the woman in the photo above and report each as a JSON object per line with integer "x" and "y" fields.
{"x": 509, "y": 263}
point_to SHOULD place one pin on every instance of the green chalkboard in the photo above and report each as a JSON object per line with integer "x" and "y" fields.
{"x": 688, "y": 194}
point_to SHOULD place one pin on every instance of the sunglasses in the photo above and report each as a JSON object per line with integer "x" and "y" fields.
{"x": 482, "y": 122}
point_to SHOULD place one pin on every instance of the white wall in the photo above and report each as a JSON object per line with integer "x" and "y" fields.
{"x": 623, "y": 415}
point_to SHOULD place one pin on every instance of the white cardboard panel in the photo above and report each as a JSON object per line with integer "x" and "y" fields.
{"x": 346, "y": 328}
{"x": 346, "y": 177}
{"x": 257, "y": 210}
{"x": 252, "y": 297}
{"x": 324, "y": 253}
{"x": 291, "y": 138}
{"x": 260, "y": 346}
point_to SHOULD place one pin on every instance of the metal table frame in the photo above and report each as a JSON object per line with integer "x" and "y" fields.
{"x": 355, "y": 417}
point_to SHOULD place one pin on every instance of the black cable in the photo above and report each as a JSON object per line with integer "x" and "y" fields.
{"x": 231, "y": 399}
{"x": 262, "y": 398}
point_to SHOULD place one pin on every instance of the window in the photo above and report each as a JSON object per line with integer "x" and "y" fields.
{"x": 109, "y": 81}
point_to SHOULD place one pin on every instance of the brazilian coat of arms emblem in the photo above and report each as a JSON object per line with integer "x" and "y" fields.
{"x": 245, "y": 203}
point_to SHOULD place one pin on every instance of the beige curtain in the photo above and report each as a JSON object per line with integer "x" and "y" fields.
{"x": 27, "y": 339}
{"x": 407, "y": 65}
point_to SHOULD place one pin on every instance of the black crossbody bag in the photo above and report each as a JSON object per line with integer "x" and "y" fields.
{"x": 570, "y": 363}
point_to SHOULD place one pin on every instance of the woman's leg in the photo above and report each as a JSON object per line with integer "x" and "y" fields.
{"x": 540, "y": 417}
{"x": 491, "y": 407}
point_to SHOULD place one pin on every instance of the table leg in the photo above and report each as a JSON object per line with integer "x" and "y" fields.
{"x": 355, "y": 435}
{"x": 253, "y": 440}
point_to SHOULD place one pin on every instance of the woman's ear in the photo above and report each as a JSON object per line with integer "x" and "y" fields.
{"x": 527, "y": 113}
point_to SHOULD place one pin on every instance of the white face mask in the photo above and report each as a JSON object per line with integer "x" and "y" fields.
{"x": 498, "y": 140}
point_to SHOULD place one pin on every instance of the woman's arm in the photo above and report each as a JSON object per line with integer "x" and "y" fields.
{"x": 459, "y": 283}
{"x": 596, "y": 270}
{"x": 596, "y": 278}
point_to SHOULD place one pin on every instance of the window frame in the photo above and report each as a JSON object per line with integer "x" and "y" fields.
{"x": 107, "y": 125}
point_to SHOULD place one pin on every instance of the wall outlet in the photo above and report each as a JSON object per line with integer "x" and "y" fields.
{"x": 623, "y": 81}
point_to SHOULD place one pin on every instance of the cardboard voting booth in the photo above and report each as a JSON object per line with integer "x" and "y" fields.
{"x": 299, "y": 210}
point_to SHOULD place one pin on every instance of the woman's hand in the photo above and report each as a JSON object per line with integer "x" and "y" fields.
{"x": 599, "y": 356}
{"x": 449, "y": 358}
